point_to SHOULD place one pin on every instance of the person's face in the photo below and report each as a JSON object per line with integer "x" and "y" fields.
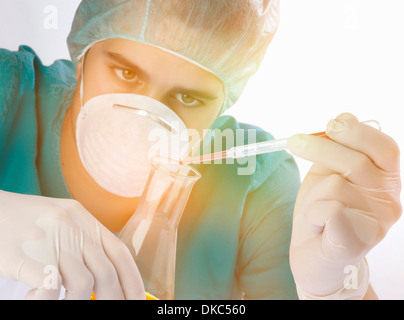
{"x": 125, "y": 66}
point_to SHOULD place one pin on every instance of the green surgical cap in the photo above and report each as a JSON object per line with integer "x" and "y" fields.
{"x": 227, "y": 37}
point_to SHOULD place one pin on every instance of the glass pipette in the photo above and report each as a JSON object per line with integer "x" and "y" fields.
{"x": 254, "y": 149}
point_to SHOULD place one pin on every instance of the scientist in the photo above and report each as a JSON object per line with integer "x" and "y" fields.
{"x": 67, "y": 186}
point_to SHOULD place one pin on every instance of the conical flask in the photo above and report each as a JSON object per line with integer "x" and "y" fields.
{"x": 151, "y": 233}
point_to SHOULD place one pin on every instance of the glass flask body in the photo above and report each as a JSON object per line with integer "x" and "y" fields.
{"x": 151, "y": 233}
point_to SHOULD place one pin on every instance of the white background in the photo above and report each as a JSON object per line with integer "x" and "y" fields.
{"x": 328, "y": 57}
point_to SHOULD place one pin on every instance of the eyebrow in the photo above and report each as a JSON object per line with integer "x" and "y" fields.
{"x": 127, "y": 63}
{"x": 205, "y": 95}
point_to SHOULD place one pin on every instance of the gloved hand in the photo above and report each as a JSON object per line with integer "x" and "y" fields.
{"x": 345, "y": 206}
{"x": 47, "y": 242}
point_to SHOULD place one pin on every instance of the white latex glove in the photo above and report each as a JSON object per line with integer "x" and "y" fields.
{"x": 345, "y": 206}
{"x": 47, "y": 242}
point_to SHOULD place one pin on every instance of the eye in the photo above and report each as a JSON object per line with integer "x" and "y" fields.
{"x": 186, "y": 99}
{"x": 126, "y": 74}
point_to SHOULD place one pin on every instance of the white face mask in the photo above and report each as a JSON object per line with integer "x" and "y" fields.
{"x": 118, "y": 133}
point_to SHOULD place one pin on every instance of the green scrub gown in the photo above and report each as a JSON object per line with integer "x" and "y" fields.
{"x": 233, "y": 239}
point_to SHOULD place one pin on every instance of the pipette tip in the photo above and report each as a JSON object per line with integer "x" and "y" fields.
{"x": 204, "y": 158}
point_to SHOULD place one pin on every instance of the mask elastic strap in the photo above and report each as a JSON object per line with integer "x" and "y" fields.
{"x": 82, "y": 81}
